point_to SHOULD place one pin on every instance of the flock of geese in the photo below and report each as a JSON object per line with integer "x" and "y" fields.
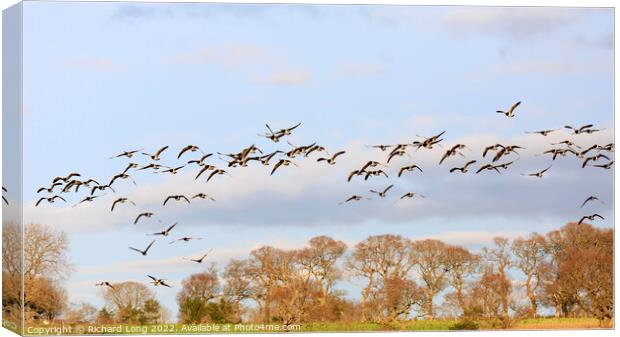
{"x": 500, "y": 158}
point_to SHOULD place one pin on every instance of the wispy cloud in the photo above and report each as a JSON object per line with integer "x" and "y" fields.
{"x": 286, "y": 77}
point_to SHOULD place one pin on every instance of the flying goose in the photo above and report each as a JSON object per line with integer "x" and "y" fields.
{"x": 65, "y": 179}
{"x": 282, "y": 162}
{"x": 606, "y": 166}
{"x": 274, "y": 137}
{"x": 579, "y": 129}
{"x": 200, "y": 259}
{"x": 506, "y": 150}
{"x": 590, "y": 131}
{"x": 567, "y": 143}
{"x": 176, "y": 198}
{"x": 105, "y": 284}
{"x": 408, "y": 168}
{"x": 430, "y": 141}
{"x": 203, "y": 196}
{"x": 166, "y": 231}
{"x": 216, "y": 172}
{"x": 537, "y": 174}
{"x": 398, "y": 153}
{"x": 590, "y": 217}
{"x": 453, "y": 151}
{"x": 488, "y": 167}
{"x": 382, "y": 194}
{"x": 375, "y": 173}
{"x": 464, "y": 168}
{"x": 71, "y": 184}
{"x": 590, "y": 198}
{"x": 204, "y": 169}
{"x": 146, "y": 215}
{"x": 298, "y": 150}
{"x": 173, "y": 170}
{"x": 185, "y": 239}
{"x": 353, "y": 198}
{"x": 201, "y": 161}
{"x": 355, "y": 173}
{"x": 155, "y": 167}
{"x": 316, "y": 148}
{"x": 121, "y": 176}
{"x": 593, "y": 158}
{"x": 127, "y": 154}
{"x": 89, "y": 198}
{"x": 542, "y": 132}
{"x": 3, "y": 198}
{"x": 510, "y": 112}
{"x": 101, "y": 188}
{"x": 155, "y": 156}
{"x": 494, "y": 147}
{"x": 411, "y": 195}
{"x": 381, "y": 147}
{"x": 49, "y": 190}
{"x": 89, "y": 181}
{"x": 560, "y": 152}
{"x": 266, "y": 158}
{"x": 332, "y": 160}
{"x": 504, "y": 165}
{"x": 49, "y": 200}
{"x": 158, "y": 282}
{"x": 145, "y": 251}
{"x": 191, "y": 148}
{"x": 287, "y": 131}
{"x": 371, "y": 164}
{"x": 121, "y": 201}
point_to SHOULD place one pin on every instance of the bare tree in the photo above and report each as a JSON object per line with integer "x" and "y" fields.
{"x": 431, "y": 264}
{"x": 530, "y": 254}
{"x": 460, "y": 264}
{"x": 499, "y": 258}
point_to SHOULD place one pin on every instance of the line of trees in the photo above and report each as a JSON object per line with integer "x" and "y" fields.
{"x": 569, "y": 271}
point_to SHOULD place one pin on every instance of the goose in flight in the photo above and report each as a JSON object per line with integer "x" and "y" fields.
{"x": 411, "y": 195}
{"x": 316, "y": 148}
{"x": 464, "y": 168}
{"x": 201, "y": 258}
{"x": 89, "y": 198}
{"x": 158, "y": 281}
{"x": 287, "y": 131}
{"x": 494, "y": 147}
{"x": 375, "y": 173}
{"x": 298, "y": 150}
{"x": 145, "y": 251}
{"x": 510, "y": 112}
{"x": 176, "y": 198}
{"x": 606, "y": 166}
{"x": 591, "y": 131}
{"x": 129, "y": 167}
{"x": 50, "y": 200}
{"x": 266, "y": 158}
{"x": 67, "y": 178}
{"x": 560, "y": 152}
{"x": 332, "y": 160}
{"x": 355, "y": 173}
{"x": 173, "y": 170}
{"x": 537, "y": 174}
{"x": 590, "y": 217}
{"x": 282, "y": 162}
{"x": 155, "y": 167}
{"x": 488, "y": 167}
{"x": 506, "y": 151}
{"x": 591, "y": 198}
{"x": 567, "y": 143}
{"x": 4, "y": 199}
{"x": 408, "y": 168}
{"x": 453, "y": 151}
{"x": 156, "y": 156}
{"x": 205, "y": 169}
{"x": 121, "y": 201}
{"x": 274, "y": 137}
{"x": 185, "y": 239}
{"x": 166, "y": 231}
{"x": 216, "y": 172}
{"x": 428, "y": 143}
{"x": 578, "y": 130}
{"x": 381, "y": 147}
{"x": 353, "y": 198}
{"x": 141, "y": 215}
{"x": 101, "y": 188}
{"x": 201, "y": 161}
{"x": 121, "y": 176}
{"x": 71, "y": 184}
{"x": 398, "y": 153}
{"x": 105, "y": 284}
{"x": 542, "y": 132}
{"x": 128, "y": 154}
{"x": 49, "y": 190}
{"x": 89, "y": 181}
{"x": 593, "y": 158}
{"x": 371, "y": 164}
{"x": 382, "y": 194}
{"x": 203, "y": 196}
{"x": 504, "y": 165}
{"x": 191, "y": 148}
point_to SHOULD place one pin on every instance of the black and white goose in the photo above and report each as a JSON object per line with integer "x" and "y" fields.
{"x": 128, "y": 154}
{"x": 590, "y": 217}
{"x": 589, "y": 199}
{"x": 176, "y": 198}
{"x": 158, "y": 282}
{"x": 156, "y": 156}
{"x": 510, "y": 112}
{"x": 185, "y": 239}
{"x": 143, "y": 215}
{"x": 203, "y": 196}
{"x": 538, "y": 174}
{"x": 50, "y": 200}
{"x": 280, "y": 163}
{"x": 121, "y": 201}
{"x": 408, "y": 168}
{"x": 191, "y": 148}
{"x": 166, "y": 231}
{"x": 332, "y": 159}
{"x": 145, "y": 251}
{"x": 217, "y": 173}
{"x": 382, "y": 194}
{"x": 463, "y": 169}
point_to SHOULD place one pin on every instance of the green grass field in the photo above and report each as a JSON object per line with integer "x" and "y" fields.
{"x": 421, "y": 325}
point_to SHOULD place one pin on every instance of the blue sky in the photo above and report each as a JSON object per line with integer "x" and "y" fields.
{"x": 101, "y": 78}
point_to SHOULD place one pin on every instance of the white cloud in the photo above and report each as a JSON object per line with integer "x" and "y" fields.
{"x": 286, "y": 77}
